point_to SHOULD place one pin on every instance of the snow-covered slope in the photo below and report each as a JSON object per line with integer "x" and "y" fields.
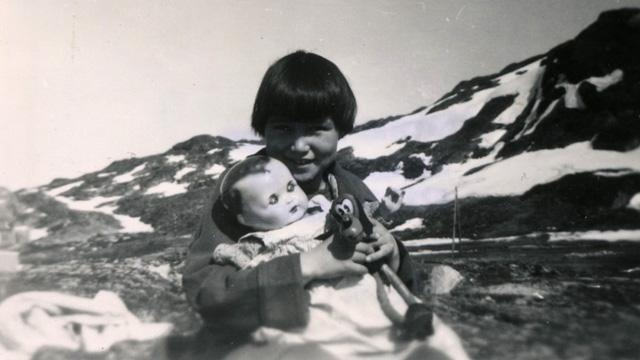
{"x": 569, "y": 115}
{"x": 547, "y": 144}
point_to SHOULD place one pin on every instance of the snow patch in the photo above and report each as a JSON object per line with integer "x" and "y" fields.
{"x": 508, "y": 115}
{"x": 243, "y": 151}
{"x": 431, "y": 241}
{"x": 128, "y": 176}
{"x": 184, "y": 171}
{"x": 596, "y": 235}
{"x": 613, "y": 173}
{"x": 572, "y": 99}
{"x": 92, "y": 204}
{"x": 431, "y": 252}
{"x": 379, "y": 181}
{"x": 411, "y": 224}
{"x": 174, "y": 159}
{"x": 519, "y": 84}
{"x": 549, "y": 108}
{"x": 63, "y": 189}
{"x": 546, "y": 113}
{"x": 101, "y": 175}
{"x": 29, "y": 190}
{"x": 9, "y": 262}
{"x": 215, "y": 170}
{"x": 425, "y": 159}
{"x": 489, "y": 139}
{"x": 362, "y": 147}
{"x": 603, "y": 82}
{"x": 38, "y": 233}
{"x": 163, "y": 270}
{"x": 425, "y": 127}
{"x": 634, "y": 203}
{"x": 515, "y": 175}
{"x": 104, "y": 205}
{"x": 591, "y": 235}
{"x": 128, "y": 223}
{"x": 167, "y": 189}
{"x": 213, "y": 151}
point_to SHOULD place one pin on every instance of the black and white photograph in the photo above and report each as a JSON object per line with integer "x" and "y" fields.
{"x": 331, "y": 179}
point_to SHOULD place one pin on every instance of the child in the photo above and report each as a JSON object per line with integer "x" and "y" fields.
{"x": 345, "y": 316}
{"x": 304, "y": 105}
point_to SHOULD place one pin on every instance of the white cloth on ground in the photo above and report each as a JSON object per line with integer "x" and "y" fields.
{"x": 31, "y": 320}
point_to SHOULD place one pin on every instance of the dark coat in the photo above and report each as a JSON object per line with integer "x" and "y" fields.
{"x": 235, "y": 302}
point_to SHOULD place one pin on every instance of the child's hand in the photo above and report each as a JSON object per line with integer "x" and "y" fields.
{"x": 383, "y": 246}
{"x": 320, "y": 263}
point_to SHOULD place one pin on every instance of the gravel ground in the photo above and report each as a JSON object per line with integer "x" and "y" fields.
{"x": 533, "y": 300}
{"x": 525, "y": 299}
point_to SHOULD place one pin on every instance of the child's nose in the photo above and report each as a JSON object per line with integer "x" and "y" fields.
{"x": 300, "y": 145}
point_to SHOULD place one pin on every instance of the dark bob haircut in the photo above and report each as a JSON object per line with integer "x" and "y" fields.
{"x": 304, "y": 87}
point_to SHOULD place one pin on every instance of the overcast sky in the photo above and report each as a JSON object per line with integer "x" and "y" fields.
{"x": 83, "y": 83}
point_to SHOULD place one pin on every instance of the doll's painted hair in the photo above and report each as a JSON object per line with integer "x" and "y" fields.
{"x": 229, "y": 195}
{"x": 303, "y": 86}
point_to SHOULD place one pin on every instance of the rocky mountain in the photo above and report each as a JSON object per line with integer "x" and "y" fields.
{"x": 547, "y": 147}
{"x": 547, "y": 144}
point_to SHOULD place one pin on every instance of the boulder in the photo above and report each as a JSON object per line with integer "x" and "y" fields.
{"x": 444, "y": 279}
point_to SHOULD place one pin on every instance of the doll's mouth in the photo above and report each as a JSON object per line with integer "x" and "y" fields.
{"x": 294, "y": 209}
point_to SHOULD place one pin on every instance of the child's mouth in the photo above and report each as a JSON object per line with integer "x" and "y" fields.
{"x": 301, "y": 162}
{"x": 294, "y": 209}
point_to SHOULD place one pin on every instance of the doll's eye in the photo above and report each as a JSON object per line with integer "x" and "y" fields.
{"x": 291, "y": 186}
{"x": 273, "y": 199}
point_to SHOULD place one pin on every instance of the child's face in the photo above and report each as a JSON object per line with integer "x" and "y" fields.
{"x": 271, "y": 199}
{"x": 307, "y": 149}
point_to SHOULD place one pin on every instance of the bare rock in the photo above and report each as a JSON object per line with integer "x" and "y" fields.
{"x": 444, "y": 278}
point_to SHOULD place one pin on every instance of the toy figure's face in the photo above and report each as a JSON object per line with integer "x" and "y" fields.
{"x": 271, "y": 199}
{"x": 306, "y": 148}
{"x": 343, "y": 209}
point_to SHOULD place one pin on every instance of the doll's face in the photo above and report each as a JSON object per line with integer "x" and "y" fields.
{"x": 271, "y": 199}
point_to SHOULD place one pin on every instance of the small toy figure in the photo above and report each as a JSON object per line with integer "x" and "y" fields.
{"x": 352, "y": 224}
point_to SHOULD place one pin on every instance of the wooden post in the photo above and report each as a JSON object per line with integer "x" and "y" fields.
{"x": 455, "y": 211}
{"x": 459, "y": 232}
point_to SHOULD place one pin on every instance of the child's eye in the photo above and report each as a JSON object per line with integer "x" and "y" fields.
{"x": 283, "y": 128}
{"x": 273, "y": 199}
{"x": 315, "y": 129}
{"x": 291, "y": 186}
